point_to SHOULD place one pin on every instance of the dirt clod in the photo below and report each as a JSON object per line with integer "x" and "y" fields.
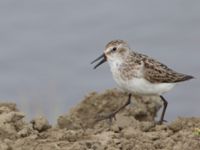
{"x": 40, "y": 123}
{"x": 134, "y": 128}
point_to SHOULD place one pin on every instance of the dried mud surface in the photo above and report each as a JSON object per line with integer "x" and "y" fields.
{"x": 133, "y": 129}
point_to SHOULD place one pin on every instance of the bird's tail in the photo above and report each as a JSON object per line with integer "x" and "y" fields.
{"x": 185, "y": 78}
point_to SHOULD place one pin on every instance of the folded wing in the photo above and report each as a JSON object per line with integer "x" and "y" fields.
{"x": 156, "y": 72}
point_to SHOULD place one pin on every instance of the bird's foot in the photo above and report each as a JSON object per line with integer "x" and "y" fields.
{"x": 110, "y": 117}
{"x": 160, "y": 122}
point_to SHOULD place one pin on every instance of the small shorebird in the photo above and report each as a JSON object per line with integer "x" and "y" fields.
{"x": 138, "y": 74}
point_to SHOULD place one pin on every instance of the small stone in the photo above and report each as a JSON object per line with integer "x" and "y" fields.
{"x": 175, "y": 126}
{"x": 40, "y": 124}
{"x": 130, "y": 132}
{"x": 115, "y": 128}
{"x": 26, "y": 131}
{"x": 146, "y": 126}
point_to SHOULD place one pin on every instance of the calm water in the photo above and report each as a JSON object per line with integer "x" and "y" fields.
{"x": 46, "y": 47}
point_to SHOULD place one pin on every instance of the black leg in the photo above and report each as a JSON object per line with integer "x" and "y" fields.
{"x": 112, "y": 115}
{"x": 165, "y": 103}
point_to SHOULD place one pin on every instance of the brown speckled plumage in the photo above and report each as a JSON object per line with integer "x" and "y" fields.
{"x": 115, "y": 43}
{"x": 153, "y": 71}
{"x": 141, "y": 66}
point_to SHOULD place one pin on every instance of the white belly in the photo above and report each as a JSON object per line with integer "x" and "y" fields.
{"x": 141, "y": 86}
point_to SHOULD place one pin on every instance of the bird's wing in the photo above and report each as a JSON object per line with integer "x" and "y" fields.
{"x": 156, "y": 72}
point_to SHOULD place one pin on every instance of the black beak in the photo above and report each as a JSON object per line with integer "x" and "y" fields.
{"x": 103, "y": 57}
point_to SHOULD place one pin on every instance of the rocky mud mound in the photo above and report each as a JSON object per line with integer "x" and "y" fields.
{"x": 133, "y": 129}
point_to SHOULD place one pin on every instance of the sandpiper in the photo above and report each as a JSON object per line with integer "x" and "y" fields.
{"x": 138, "y": 74}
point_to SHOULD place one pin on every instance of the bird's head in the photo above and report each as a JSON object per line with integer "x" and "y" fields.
{"x": 114, "y": 50}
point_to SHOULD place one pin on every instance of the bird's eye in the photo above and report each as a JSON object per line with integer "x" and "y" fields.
{"x": 114, "y": 49}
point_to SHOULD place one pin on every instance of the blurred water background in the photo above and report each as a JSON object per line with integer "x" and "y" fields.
{"x": 46, "y": 47}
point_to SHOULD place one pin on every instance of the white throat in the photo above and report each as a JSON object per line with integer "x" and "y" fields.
{"x": 114, "y": 63}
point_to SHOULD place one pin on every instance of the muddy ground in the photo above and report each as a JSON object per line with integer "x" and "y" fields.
{"x": 133, "y": 129}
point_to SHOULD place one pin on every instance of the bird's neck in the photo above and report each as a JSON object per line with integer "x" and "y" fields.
{"x": 118, "y": 62}
{"x": 115, "y": 64}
